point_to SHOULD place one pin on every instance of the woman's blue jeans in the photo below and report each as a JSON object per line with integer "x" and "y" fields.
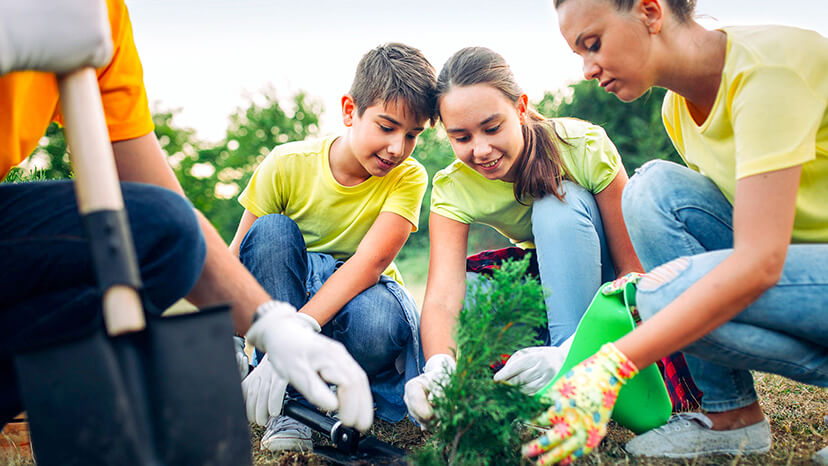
{"x": 372, "y": 326}
{"x": 48, "y": 288}
{"x": 676, "y": 214}
{"x": 573, "y": 257}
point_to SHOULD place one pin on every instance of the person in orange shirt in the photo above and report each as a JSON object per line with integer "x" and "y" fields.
{"x": 47, "y": 284}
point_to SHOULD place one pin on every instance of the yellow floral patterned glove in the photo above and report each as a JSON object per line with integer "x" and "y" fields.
{"x": 617, "y": 285}
{"x": 582, "y": 401}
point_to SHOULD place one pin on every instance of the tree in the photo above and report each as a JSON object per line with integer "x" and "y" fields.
{"x": 635, "y": 127}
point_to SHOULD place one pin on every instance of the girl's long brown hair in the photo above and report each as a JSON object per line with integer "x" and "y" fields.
{"x": 539, "y": 169}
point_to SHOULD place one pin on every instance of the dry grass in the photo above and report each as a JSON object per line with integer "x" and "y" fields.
{"x": 796, "y": 412}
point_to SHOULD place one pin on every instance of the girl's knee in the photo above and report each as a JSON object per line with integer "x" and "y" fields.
{"x": 577, "y": 208}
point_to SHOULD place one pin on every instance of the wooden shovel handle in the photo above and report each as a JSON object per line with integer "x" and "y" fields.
{"x": 96, "y": 181}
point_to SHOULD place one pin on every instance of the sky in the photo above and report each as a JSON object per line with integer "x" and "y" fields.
{"x": 210, "y": 57}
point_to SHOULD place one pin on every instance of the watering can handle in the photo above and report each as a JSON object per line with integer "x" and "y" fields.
{"x": 97, "y": 188}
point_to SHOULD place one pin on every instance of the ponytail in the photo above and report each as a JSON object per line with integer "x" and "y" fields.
{"x": 539, "y": 169}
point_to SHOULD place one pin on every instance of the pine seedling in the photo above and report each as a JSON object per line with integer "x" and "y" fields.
{"x": 478, "y": 417}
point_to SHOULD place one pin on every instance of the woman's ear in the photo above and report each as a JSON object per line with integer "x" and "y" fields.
{"x": 652, "y": 13}
{"x": 348, "y": 110}
{"x": 522, "y": 108}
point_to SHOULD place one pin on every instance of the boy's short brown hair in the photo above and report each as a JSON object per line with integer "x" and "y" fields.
{"x": 394, "y": 72}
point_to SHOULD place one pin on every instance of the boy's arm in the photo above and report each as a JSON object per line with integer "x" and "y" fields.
{"x": 618, "y": 239}
{"x": 247, "y": 220}
{"x": 374, "y": 254}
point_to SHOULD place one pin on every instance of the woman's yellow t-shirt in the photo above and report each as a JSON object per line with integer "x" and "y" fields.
{"x": 462, "y": 194}
{"x": 769, "y": 114}
{"x": 295, "y": 180}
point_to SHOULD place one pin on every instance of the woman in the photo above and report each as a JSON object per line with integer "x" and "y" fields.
{"x": 550, "y": 185}
{"x": 742, "y": 232}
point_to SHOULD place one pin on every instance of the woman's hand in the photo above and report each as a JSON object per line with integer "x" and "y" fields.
{"x": 582, "y": 401}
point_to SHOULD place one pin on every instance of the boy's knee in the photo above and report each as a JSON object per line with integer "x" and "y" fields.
{"x": 271, "y": 234}
{"x": 373, "y": 326}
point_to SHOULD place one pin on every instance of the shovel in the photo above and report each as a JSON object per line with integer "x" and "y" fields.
{"x": 145, "y": 390}
{"x": 349, "y": 448}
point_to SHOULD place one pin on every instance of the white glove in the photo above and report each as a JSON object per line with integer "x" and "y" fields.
{"x": 53, "y": 35}
{"x": 241, "y": 356}
{"x": 264, "y": 392}
{"x": 532, "y": 368}
{"x": 310, "y": 362}
{"x": 420, "y": 390}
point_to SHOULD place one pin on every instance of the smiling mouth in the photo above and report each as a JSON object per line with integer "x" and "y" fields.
{"x": 490, "y": 164}
{"x": 383, "y": 162}
{"x": 607, "y": 83}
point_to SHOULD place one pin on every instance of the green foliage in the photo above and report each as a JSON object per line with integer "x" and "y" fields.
{"x": 635, "y": 127}
{"x": 478, "y": 416}
{"x": 19, "y": 175}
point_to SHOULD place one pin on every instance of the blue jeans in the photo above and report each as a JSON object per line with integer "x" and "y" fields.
{"x": 573, "y": 257}
{"x": 48, "y": 288}
{"x": 373, "y": 326}
{"x": 678, "y": 217}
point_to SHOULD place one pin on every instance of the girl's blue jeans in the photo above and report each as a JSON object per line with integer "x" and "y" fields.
{"x": 676, "y": 214}
{"x": 48, "y": 288}
{"x": 372, "y": 326}
{"x": 573, "y": 257}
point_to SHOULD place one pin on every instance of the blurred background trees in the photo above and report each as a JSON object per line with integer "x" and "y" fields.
{"x": 213, "y": 174}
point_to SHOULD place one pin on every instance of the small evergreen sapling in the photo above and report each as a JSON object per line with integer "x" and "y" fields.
{"x": 477, "y": 417}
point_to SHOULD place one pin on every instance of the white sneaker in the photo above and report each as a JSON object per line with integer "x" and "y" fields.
{"x": 286, "y": 433}
{"x": 821, "y": 457}
{"x": 687, "y": 435}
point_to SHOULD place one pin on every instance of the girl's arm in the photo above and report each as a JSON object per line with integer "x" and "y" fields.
{"x": 618, "y": 240}
{"x": 763, "y": 215}
{"x": 374, "y": 254}
{"x": 446, "y": 286}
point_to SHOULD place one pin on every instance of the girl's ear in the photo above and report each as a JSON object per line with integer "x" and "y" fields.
{"x": 652, "y": 14}
{"x": 522, "y": 108}
{"x": 348, "y": 110}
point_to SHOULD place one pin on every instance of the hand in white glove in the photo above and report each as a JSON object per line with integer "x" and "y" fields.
{"x": 241, "y": 356}
{"x": 310, "y": 362}
{"x": 534, "y": 367}
{"x": 53, "y": 35}
{"x": 264, "y": 392}
{"x": 420, "y": 390}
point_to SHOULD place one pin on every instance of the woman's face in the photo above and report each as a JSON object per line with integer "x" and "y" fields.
{"x": 484, "y": 128}
{"x": 614, "y": 45}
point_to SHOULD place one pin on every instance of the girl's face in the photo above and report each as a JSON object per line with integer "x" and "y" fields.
{"x": 483, "y": 126}
{"x": 614, "y": 45}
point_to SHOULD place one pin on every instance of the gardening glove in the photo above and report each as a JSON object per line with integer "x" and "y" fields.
{"x": 534, "y": 367}
{"x": 53, "y": 35}
{"x": 264, "y": 392}
{"x": 310, "y": 362}
{"x": 421, "y": 390}
{"x": 582, "y": 401}
{"x": 618, "y": 285}
{"x": 241, "y": 356}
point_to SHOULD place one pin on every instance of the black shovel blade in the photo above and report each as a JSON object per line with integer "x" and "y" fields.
{"x": 85, "y": 408}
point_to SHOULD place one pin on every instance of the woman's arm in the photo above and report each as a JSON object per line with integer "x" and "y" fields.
{"x": 618, "y": 240}
{"x": 446, "y": 286}
{"x": 374, "y": 254}
{"x": 763, "y": 215}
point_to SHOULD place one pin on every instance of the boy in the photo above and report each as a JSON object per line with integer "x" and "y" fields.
{"x": 324, "y": 220}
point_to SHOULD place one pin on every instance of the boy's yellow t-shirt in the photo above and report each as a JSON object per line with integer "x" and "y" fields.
{"x": 29, "y": 99}
{"x": 769, "y": 114}
{"x": 462, "y": 194}
{"x": 295, "y": 180}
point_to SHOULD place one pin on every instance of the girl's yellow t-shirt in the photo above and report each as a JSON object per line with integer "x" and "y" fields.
{"x": 769, "y": 114}
{"x": 462, "y": 194}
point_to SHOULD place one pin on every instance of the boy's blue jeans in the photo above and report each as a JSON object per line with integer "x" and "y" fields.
{"x": 372, "y": 326}
{"x": 676, "y": 214}
{"x": 573, "y": 257}
{"x": 48, "y": 288}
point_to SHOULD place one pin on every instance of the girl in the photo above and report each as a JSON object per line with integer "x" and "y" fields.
{"x": 742, "y": 232}
{"x": 553, "y": 185}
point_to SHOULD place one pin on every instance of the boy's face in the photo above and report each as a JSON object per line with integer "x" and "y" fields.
{"x": 383, "y": 136}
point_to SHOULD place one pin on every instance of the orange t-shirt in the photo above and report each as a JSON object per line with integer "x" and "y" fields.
{"x": 29, "y": 99}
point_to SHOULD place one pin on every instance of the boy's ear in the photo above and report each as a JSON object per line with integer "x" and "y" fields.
{"x": 348, "y": 110}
